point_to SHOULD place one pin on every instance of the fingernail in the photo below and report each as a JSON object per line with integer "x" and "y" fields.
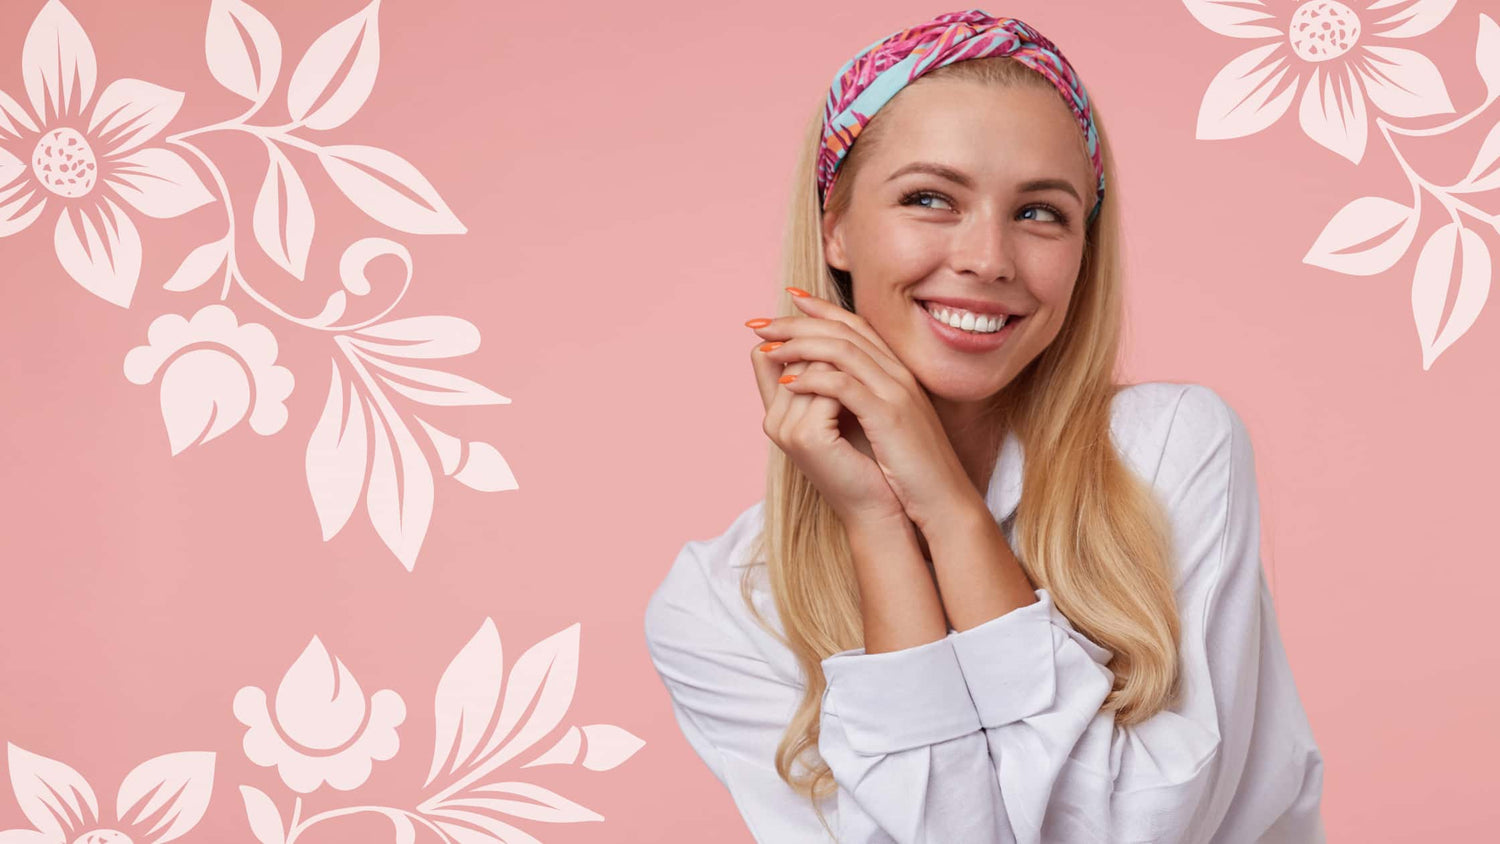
{"x": 797, "y": 291}
{"x": 758, "y": 322}
{"x": 769, "y": 346}
{"x": 786, "y": 379}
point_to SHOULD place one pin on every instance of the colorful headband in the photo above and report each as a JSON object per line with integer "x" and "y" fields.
{"x": 869, "y": 80}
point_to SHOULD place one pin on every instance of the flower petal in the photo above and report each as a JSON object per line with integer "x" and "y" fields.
{"x": 12, "y": 113}
{"x": 108, "y": 270}
{"x": 1332, "y": 113}
{"x": 1419, "y": 17}
{"x": 54, "y": 797}
{"x": 1403, "y": 83}
{"x": 12, "y": 218}
{"x": 1238, "y": 101}
{"x": 57, "y": 53}
{"x": 141, "y": 109}
{"x": 158, "y": 182}
{"x": 1230, "y": 17}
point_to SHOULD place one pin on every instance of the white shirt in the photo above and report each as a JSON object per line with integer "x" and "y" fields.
{"x": 994, "y": 734}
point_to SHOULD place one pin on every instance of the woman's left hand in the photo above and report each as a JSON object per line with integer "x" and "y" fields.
{"x": 905, "y": 436}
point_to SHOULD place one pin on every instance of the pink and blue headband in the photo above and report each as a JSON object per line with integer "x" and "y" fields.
{"x": 869, "y": 80}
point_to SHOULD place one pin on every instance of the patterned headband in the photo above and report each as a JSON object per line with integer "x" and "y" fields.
{"x": 869, "y": 80}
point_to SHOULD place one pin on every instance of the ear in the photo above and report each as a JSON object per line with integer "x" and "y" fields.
{"x": 833, "y": 242}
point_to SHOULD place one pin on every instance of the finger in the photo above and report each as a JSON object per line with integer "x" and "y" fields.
{"x": 844, "y": 388}
{"x": 786, "y": 328}
{"x": 819, "y": 307}
{"x": 844, "y": 355}
{"x": 781, "y": 400}
{"x": 810, "y": 408}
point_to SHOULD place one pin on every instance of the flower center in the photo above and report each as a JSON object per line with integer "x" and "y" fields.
{"x": 64, "y": 163}
{"x": 1323, "y": 29}
{"x": 103, "y": 836}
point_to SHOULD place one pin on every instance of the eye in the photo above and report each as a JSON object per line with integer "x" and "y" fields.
{"x": 915, "y": 197}
{"x": 1062, "y": 218}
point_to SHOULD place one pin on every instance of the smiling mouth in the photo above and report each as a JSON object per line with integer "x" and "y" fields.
{"x": 1010, "y": 319}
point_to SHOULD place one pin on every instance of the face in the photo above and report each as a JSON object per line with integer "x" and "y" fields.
{"x": 980, "y": 231}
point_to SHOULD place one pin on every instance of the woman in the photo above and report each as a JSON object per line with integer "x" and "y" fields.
{"x": 1119, "y": 675}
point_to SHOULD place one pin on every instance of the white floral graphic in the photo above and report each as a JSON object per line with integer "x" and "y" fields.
{"x": 322, "y": 728}
{"x": 1346, "y": 55}
{"x": 160, "y": 800}
{"x": 208, "y": 366}
{"x": 215, "y": 370}
{"x": 83, "y": 173}
{"x": 484, "y": 720}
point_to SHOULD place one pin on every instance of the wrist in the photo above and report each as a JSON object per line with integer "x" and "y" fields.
{"x": 960, "y": 512}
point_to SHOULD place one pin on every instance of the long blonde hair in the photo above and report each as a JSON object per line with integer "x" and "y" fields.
{"x": 1087, "y": 529}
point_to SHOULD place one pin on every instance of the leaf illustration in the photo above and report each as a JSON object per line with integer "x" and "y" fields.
{"x": 47, "y": 789}
{"x": 1478, "y": 180}
{"x": 447, "y": 389}
{"x": 178, "y": 785}
{"x": 399, "y": 500}
{"x": 198, "y": 267}
{"x": 546, "y": 674}
{"x": 357, "y": 35}
{"x": 608, "y": 746}
{"x": 1417, "y": 18}
{"x": 249, "y": 70}
{"x": 535, "y": 803}
{"x": 1430, "y": 282}
{"x": 389, "y": 189}
{"x": 420, "y": 337}
{"x": 285, "y": 237}
{"x": 335, "y": 460}
{"x": 466, "y": 699}
{"x": 1369, "y": 218}
{"x": 265, "y": 820}
{"x": 482, "y": 829}
{"x": 1487, "y": 56}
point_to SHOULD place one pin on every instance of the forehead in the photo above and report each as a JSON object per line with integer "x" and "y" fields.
{"x": 990, "y": 130}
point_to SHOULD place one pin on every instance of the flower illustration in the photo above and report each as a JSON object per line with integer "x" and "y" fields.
{"x": 322, "y": 729}
{"x": 208, "y": 367}
{"x": 1346, "y": 54}
{"x": 162, "y": 799}
{"x": 85, "y": 167}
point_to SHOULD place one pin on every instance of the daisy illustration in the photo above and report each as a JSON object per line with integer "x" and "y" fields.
{"x": 86, "y": 167}
{"x": 1340, "y": 56}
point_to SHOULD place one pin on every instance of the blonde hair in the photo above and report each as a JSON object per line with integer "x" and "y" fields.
{"x": 1087, "y": 529}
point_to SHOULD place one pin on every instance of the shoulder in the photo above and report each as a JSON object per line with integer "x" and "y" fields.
{"x": 698, "y": 603}
{"x": 1172, "y": 430}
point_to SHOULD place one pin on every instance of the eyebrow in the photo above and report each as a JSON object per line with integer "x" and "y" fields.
{"x": 961, "y": 178}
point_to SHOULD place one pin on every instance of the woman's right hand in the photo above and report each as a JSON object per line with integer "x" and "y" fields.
{"x": 826, "y": 442}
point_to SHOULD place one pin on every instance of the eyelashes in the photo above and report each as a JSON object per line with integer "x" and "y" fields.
{"x": 911, "y": 199}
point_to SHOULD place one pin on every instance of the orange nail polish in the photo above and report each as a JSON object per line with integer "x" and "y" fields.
{"x": 786, "y": 379}
{"x": 769, "y": 346}
{"x": 758, "y": 322}
{"x": 797, "y": 291}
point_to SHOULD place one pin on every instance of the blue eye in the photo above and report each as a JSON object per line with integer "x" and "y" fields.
{"x": 911, "y": 198}
{"x": 916, "y": 197}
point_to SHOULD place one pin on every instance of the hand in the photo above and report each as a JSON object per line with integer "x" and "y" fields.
{"x": 862, "y": 375}
{"x": 825, "y": 441}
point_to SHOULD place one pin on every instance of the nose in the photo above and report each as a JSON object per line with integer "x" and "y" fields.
{"x": 981, "y": 247}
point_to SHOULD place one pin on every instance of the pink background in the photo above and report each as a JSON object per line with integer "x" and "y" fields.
{"x": 620, "y": 171}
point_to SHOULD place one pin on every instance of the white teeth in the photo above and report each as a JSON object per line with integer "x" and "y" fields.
{"x": 966, "y": 320}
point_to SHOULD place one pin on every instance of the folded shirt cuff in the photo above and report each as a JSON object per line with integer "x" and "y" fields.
{"x": 1008, "y": 663}
{"x": 898, "y": 700}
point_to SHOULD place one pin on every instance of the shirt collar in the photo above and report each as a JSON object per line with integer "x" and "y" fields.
{"x": 1002, "y": 496}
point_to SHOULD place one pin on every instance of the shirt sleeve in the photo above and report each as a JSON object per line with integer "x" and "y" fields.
{"x": 1232, "y": 760}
